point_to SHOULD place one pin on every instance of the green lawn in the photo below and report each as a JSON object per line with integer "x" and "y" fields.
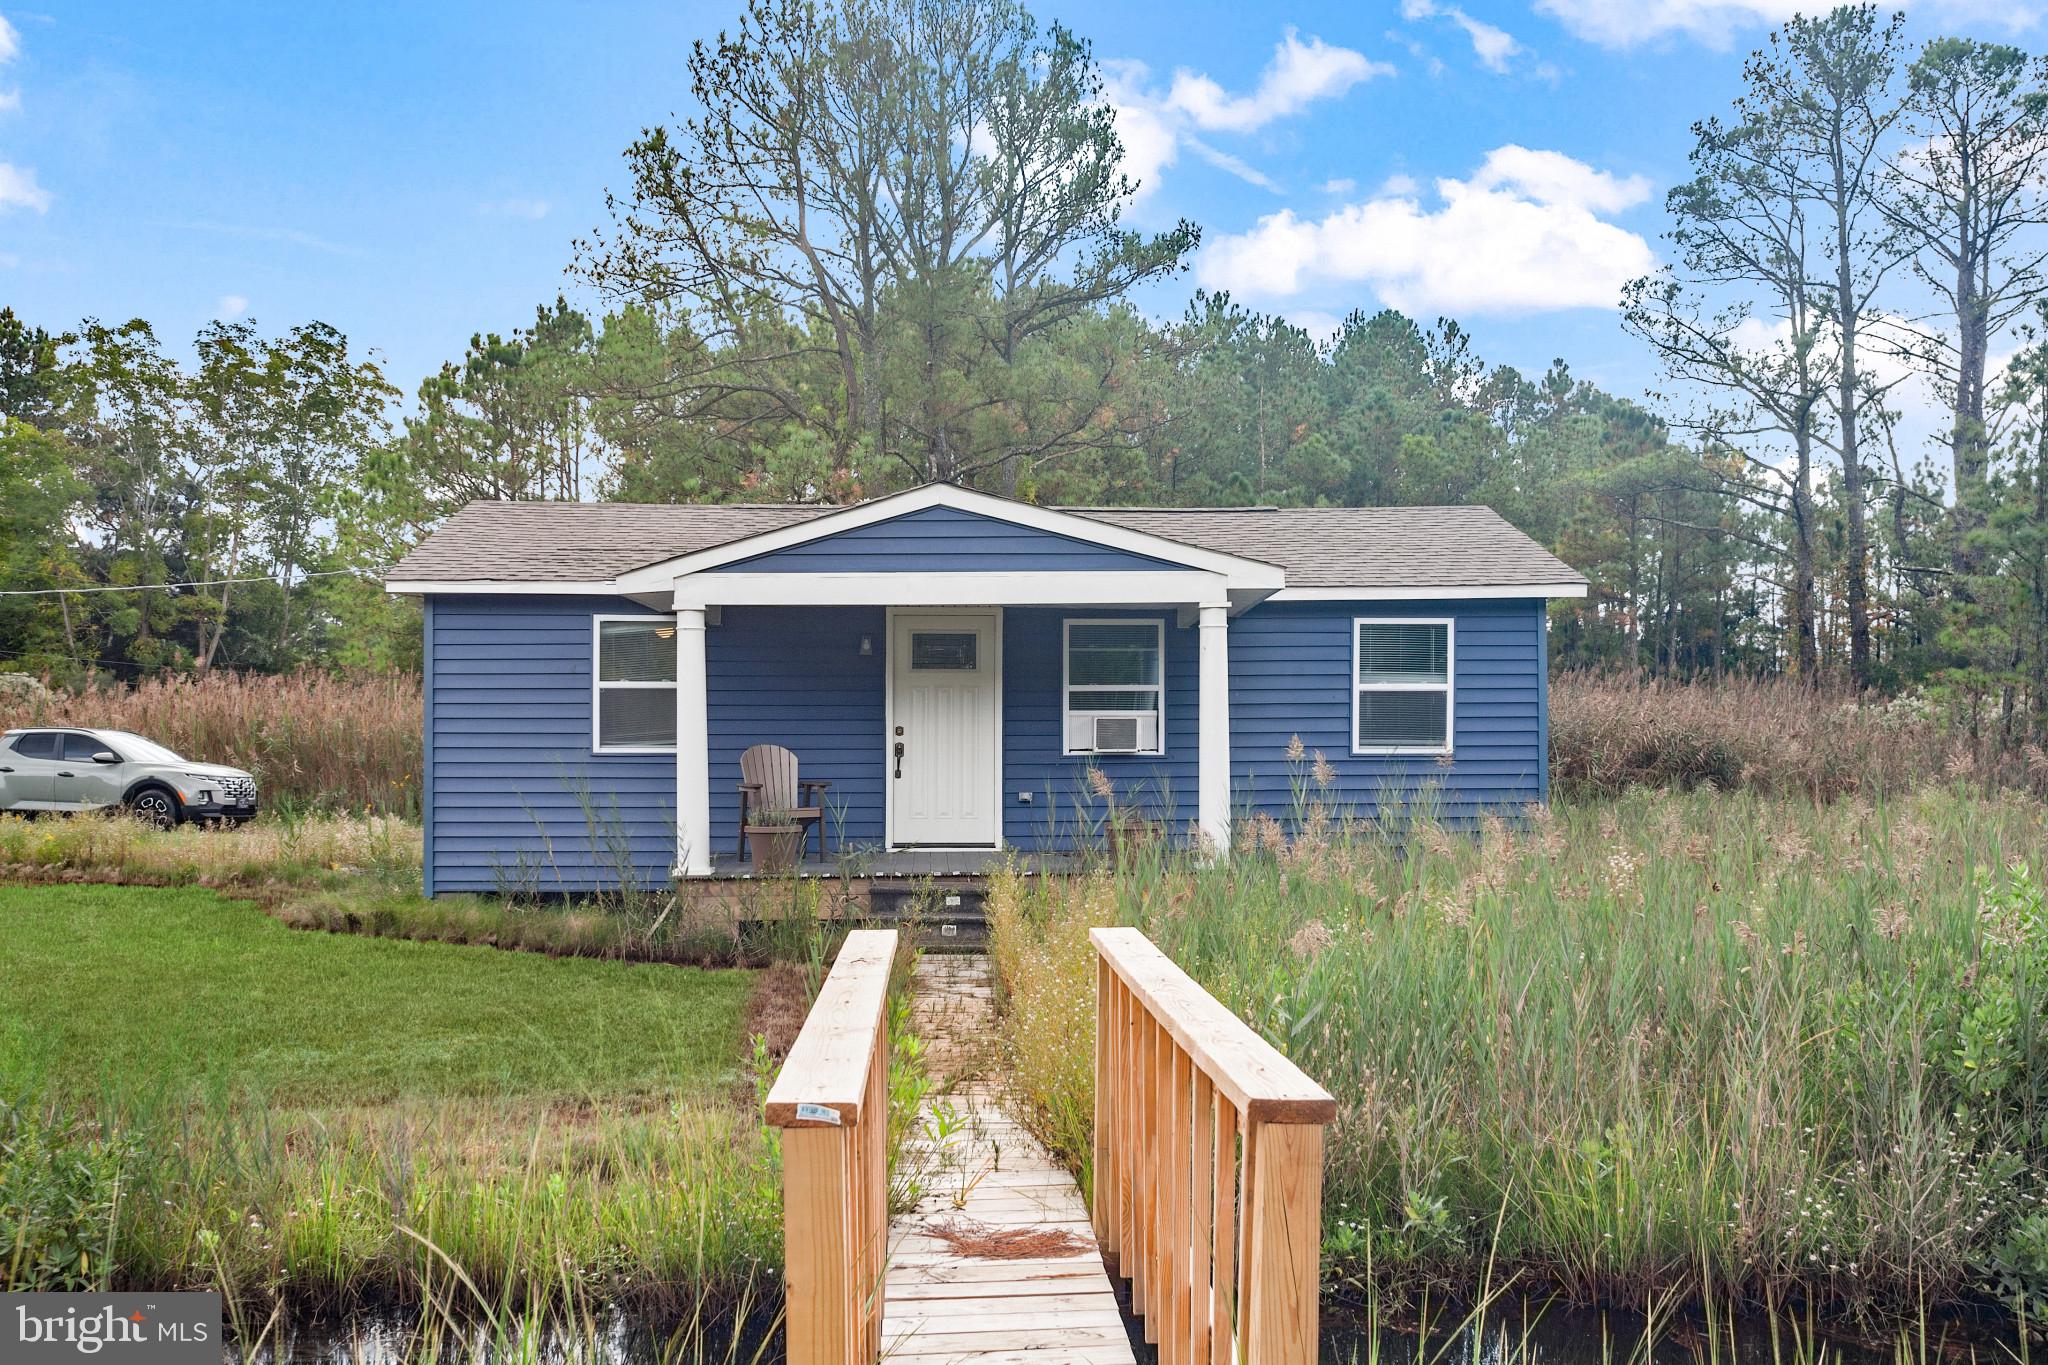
{"x": 144, "y": 987}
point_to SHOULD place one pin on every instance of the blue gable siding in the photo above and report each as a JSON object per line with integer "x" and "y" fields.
{"x": 945, "y": 540}
{"x": 518, "y": 801}
{"x": 1290, "y": 674}
{"x": 795, "y": 676}
{"x": 1161, "y": 784}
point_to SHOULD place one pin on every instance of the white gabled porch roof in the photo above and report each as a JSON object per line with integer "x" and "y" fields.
{"x": 1201, "y": 577}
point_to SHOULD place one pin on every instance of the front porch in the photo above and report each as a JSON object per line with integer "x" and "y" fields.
{"x": 953, "y": 733}
{"x": 908, "y": 865}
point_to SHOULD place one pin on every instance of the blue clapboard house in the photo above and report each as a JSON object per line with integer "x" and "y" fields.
{"x": 962, "y": 671}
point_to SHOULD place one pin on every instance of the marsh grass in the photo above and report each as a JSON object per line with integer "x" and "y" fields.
{"x": 315, "y": 741}
{"x": 320, "y": 850}
{"x": 1772, "y": 736}
{"x": 1712, "y": 1044}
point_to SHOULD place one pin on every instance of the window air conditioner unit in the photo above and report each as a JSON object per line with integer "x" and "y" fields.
{"x": 1112, "y": 733}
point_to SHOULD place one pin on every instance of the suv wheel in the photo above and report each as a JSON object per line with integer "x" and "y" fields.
{"x": 155, "y": 807}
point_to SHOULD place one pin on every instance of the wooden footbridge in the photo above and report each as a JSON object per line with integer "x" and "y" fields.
{"x": 1207, "y": 1184}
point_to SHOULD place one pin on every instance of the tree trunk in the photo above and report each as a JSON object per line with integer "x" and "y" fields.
{"x": 1805, "y": 651}
{"x": 1858, "y": 548}
{"x": 70, "y": 636}
{"x": 209, "y": 645}
{"x": 1967, "y": 437}
{"x": 2040, "y": 557}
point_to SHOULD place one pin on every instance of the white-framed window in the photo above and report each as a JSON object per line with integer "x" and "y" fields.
{"x": 1401, "y": 675}
{"x": 633, "y": 684}
{"x": 1113, "y": 696}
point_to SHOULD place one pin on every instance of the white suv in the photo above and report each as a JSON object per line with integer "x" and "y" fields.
{"x": 72, "y": 770}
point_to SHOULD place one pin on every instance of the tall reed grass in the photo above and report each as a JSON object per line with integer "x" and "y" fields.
{"x": 1610, "y": 732}
{"x": 1719, "y": 1044}
{"x": 313, "y": 740}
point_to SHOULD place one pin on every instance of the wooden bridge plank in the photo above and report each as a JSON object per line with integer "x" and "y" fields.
{"x": 940, "y": 1305}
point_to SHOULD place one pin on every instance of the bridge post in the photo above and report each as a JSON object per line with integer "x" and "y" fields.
{"x": 831, "y": 1101}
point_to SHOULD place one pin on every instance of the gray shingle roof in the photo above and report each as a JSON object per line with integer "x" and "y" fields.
{"x": 1360, "y": 547}
{"x": 1319, "y": 547}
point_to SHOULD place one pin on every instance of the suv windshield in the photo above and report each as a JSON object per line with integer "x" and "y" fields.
{"x": 140, "y": 750}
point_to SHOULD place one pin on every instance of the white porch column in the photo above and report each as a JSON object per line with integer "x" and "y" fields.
{"x": 693, "y": 748}
{"x": 1212, "y": 771}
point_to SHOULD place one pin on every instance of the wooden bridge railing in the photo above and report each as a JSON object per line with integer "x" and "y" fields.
{"x": 1208, "y": 1166}
{"x": 832, "y": 1102}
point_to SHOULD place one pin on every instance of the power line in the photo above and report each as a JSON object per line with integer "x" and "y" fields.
{"x": 172, "y": 587}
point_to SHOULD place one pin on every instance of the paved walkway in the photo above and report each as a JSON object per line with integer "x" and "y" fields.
{"x": 998, "y": 1263}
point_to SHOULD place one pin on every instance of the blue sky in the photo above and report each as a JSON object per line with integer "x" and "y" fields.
{"x": 413, "y": 174}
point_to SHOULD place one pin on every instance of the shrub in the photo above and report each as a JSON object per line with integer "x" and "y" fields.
{"x": 59, "y": 1186}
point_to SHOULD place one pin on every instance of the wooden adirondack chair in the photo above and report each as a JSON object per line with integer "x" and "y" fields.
{"x": 769, "y": 782}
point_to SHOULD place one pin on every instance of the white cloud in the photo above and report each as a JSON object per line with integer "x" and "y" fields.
{"x": 230, "y": 306}
{"x": 1494, "y": 46}
{"x": 10, "y": 48}
{"x": 1556, "y": 179}
{"x": 1525, "y": 233}
{"x": 1155, "y": 125}
{"x": 1342, "y": 184}
{"x": 1623, "y": 23}
{"x": 1224, "y": 161}
{"x": 1299, "y": 74}
{"x": 1430, "y": 61}
{"x": 516, "y": 207}
{"x": 19, "y": 190}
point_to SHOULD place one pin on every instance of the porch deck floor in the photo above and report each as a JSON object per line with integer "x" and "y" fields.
{"x": 942, "y": 1306}
{"x": 972, "y": 862}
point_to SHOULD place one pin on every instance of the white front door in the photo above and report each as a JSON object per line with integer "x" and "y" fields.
{"x": 944, "y": 669}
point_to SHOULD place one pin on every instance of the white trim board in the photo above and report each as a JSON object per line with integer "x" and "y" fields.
{"x": 614, "y": 588}
{"x": 1243, "y": 573}
{"x": 488, "y": 587}
{"x": 1150, "y": 588}
{"x": 1418, "y": 593}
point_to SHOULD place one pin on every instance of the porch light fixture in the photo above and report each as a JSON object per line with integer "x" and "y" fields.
{"x": 664, "y": 632}
{"x": 867, "y": 645}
